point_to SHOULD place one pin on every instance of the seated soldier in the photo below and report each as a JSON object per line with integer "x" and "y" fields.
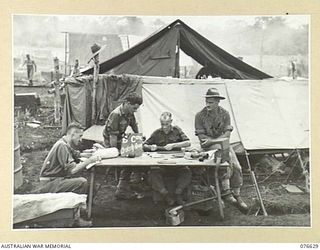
{"x": 62, "y": 162}
{"x": 213, "y": 122}
{"x": 168, "y": 137}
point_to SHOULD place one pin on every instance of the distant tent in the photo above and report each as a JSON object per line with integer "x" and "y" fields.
{"x": 158, "y": 55}
{"x": 79, "y": 46}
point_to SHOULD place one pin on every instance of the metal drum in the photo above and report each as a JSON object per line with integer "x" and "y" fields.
{"x": 18, "y": 178}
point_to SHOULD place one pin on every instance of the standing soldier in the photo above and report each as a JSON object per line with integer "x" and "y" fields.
{"x": 294, "y": 69}
{"x": 117, "y": 123}
{"x": 31, "y": 68}
{"x": 76, "y": 69}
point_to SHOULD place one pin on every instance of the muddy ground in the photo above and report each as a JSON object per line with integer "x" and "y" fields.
{"x": 284, "y": 208}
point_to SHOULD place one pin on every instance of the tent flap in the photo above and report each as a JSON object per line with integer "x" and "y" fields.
{"x": 111, "y": 92}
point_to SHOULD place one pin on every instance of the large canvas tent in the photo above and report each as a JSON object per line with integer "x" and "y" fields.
{"x": 158, "y": 55}
{"x": 267, "y": 115}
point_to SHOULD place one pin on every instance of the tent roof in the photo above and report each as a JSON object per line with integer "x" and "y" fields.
{"x": 156, "y": 56}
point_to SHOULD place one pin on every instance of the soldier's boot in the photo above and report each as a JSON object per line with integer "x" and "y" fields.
{"x": 240, "y": 203}
{"x": 179, "y": 198}
{"x": 123, "y": 191}
{"x": 226, "y": 192}
{"x": 167, "y": 197}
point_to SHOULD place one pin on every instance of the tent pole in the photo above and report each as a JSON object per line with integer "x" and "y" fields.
{"x": 65, "y": 52}
{"x": 252, "y": 174}
{"x": 95, "y": 81}
{"x": 57, "y": 98}
{"x": 177, "y": 61}
{"x": 128, "y": 42}
{"x": 304, "y": 172}
{"x": 255, "y": 184}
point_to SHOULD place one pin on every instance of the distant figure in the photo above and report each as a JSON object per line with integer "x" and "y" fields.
{"x": 293, "y": 69}
{"x": 31, "y": 68}
{"x": 206, "y": 71}
{"x": 76, "y": 70}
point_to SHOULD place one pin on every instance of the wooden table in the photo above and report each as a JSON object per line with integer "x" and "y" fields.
{"x": 160, "y": 160}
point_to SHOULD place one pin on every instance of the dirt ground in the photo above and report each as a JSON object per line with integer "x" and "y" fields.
{"x": 284, "y": 209}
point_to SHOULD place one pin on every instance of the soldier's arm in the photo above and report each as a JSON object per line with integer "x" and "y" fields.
{"x": 113, "y": 140}
{"x": 184, "y": 140}
{"x": 134, "y": 125}
{"x": 35, "y": 66}
{"x": 112, "y": 126}
{"x": 227, "y": 128}
{"x": 150, "y": 145}
{"x": 200, "y": 129}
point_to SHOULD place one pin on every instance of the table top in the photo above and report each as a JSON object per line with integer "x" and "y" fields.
{"x": 156, "y": 159}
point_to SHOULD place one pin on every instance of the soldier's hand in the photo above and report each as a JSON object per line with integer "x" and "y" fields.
{"x": 90, "y": 150}
{"x": 98, "y": 146}
{"x": 153, "y": 147}
{"x": 206, "y": 143}
{"x": 210, "y": 143}
{"x": 94, "y": 159}
{"x": 169, "y": 146}
{"x": 86, "y": 154}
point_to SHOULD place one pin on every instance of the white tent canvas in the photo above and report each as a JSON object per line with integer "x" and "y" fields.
{"x": 266, "y": 114}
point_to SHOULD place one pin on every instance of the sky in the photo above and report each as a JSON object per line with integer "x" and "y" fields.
{"x": 46, "y": 31}
{"x": 293, "y": 21}
{"x": 80, "y": 23}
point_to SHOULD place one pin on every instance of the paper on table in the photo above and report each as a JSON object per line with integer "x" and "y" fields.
{"x": 105, "y": 153}
{"x": 166, "y": 161}
{"x": 91, "y": 165}
{"x": 154, "y": 155}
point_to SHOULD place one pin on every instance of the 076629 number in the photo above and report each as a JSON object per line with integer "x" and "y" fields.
{"x": 309, "y": 246}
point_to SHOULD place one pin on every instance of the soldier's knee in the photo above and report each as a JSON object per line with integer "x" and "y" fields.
{"x": 155, "y": 171}
{"x": 186, "y": 172}
{"x": 82, "y": 184}
{"x": 82, "y": 180}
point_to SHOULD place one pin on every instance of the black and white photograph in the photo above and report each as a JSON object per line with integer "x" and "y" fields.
{"x": 161, "y": 121}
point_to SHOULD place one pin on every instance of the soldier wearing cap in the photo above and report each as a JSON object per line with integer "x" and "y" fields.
{"x": 168, "y": 137}
{"x": 213, "y": 122}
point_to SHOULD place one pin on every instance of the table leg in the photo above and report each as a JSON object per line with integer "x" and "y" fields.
{"x": 90, "y": 199}
{"x": 220, "y": 203}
